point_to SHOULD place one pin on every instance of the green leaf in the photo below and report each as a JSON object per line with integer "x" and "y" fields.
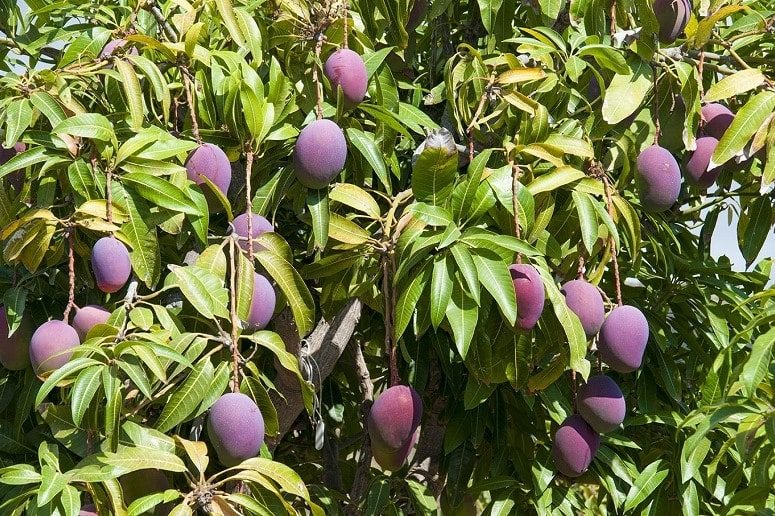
{"x": 495, "y": 277}
{"x": 645, "y": 484}
{"x": 87, "y": 125}
{"x": 626, "y": 92}
{"x": 365, "y": 143}
{"x": 757, "y": 229}
{"x": 407, "y": 301}
{"x": 48, "y": 105}
{"x": 317, "y": 202}
{"x": 466, "y": 266}
{"x": 435, "y": 171}
{"x": 226, "y": 12}
{"x": 187, "y": 397}
{"x": 577, "y": 339}
{"x": 51, "y": 484}
{"x": 430, "y": 214}
{"x": 424, "y": 501}
{"x": 245, "y": 282}
{"x": 139, "y": 235}
{"x": 66, "y": 371}
{"x": 18, "y": 117}
{"x": 587, "y": 219}
{"x": 462, "y": 314}
{"x": 161, "y": 192}
{"x": 133, "y": 92}
{"x": 378, "y": 496}
{"x": 747, "y": 120}
{"x": 441, "y": 287}
{"x": 355, "y": 197}
{"x": 84, "y": 389}
{"x": 25, "y": 159}
{"x": 606, "y": 56}
{"x": 758, "y": 363}
{"x": 555, "y": 179}
{"x": 203, "y": 289}
{"x": 735, "y": 84}
{"x": 293, "y": 287}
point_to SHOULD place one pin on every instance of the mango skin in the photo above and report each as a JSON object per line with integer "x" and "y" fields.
{"x": 345, "y": 69}
{"x": 574, "y": 446}
{"x": 320, "y": 153}
{"x": 672, "y": 16}
{"x": 51, "y": 346}
{"x": 584, "y": 300}
{"x": 262, "y": 304}
{"x": 392, "y": 425}
{"x": 235, "y": 427}
{"x": 601, "y": 403}
{"x": 623, "y": 339}
{"x": 259, "y": 226}
{"x": 87, "y": 317}
{"x": 658, "y": 179}
{"x": 111, "y": 264}
{"x": 717, "y": 118}
{"x": 530, "y": 294}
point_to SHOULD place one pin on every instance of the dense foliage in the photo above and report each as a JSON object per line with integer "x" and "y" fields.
{"x": 469, "y": 148}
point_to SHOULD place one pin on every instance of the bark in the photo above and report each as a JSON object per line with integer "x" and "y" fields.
{"x": 363, "y": 469}
{"x": 430, "y": 446}
{"x": 322, "y": 349}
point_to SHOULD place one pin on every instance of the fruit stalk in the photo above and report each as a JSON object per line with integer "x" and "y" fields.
{"x": 318, "y": 85}
{"x": 249, "y": 199}
{"x": 70, "y": 232}
{"x": 610, "y": 206}
{"x": 346, "y": 10}
{"x": 657, "y": 129}
{"x": 233, "y": 317}
{"x": 477, "y": 114}
{"x": 515, "y": 201}
{"x": 388, "y": 267}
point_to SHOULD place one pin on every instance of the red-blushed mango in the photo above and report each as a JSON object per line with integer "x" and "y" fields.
{"x": 14, "y": 350}
{"x": 717, "y": 119}
{"x": 530, "y": 294}
{"x": 144, "y": 482}
{"x": 15, "y": 179}
{"x": 51, "y": 346}
{"x": 262, "y": 304}
{"x": 209, "y": 161}
{"x": 88, "y": 510}
{"x": 697, "y": 165}
{"x": 110, "y": 263}
{"x": 623, "y": 339}
{"x": 345, "y": 69}
{"x": 601, "y": 403}
{"x": 260, "y": 226}
{"x": 320, "y": 153}
{"x": 116, "y": 44}
{"x": 672, "y": 16}
{"x": 584, "y": 300}
{"x": 235, "y": 427}
{"x": 392, "y": 425}
{"x": 88, "y": 317}
{"x": 575, "y": 445}
{"x": 658, "y": 178}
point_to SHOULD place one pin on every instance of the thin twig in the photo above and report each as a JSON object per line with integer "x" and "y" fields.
{"x": 235, "y": 355}
{"x": 346, "y": 9}
{"x": 318, "y": 84}
{"x": 71, "y": 271}
{"x": 151, "y": 6}
{"x": 656, "y": 110}
{"x": 581, "y": 269}
{"x": 612, "y": 243}
{"x": 186, "y": 73}
{"x": 390, "y": 348}
{"x": 613, "y": 18}
{"x": 249, "y": 199}
{"x": 477, "y": 114}
{"x": 573, "y": 389}
{"x": 515, "y": 202}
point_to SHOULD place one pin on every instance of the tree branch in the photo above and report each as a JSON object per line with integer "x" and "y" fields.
{"x": 324, "y": 346}
{"x": 361, "y": 479}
